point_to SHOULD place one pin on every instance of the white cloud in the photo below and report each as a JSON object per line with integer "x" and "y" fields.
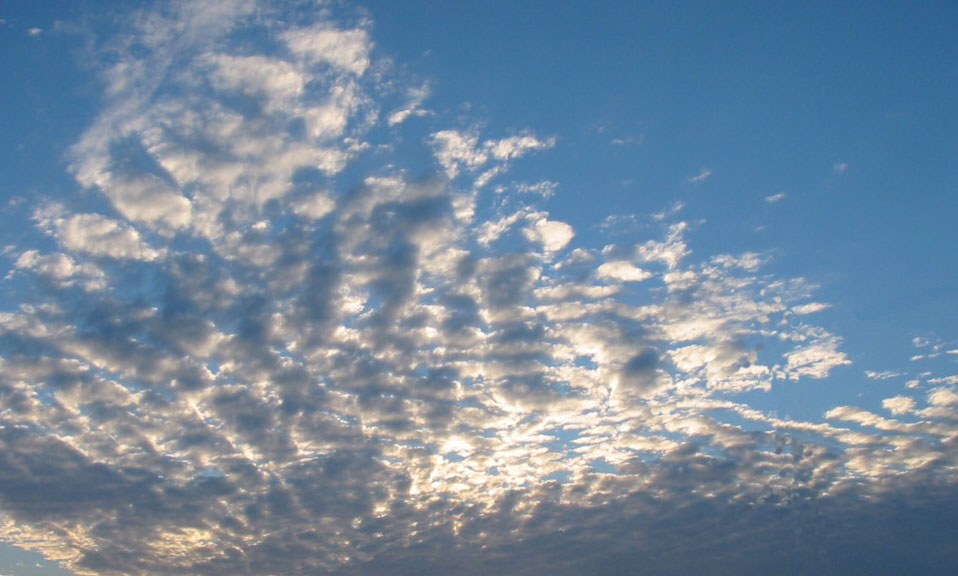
{"x": 54, "y": 265}
{"x": 748, "y": 261}
{"x": 345, "y": 50}
{"x": 492, "y": 230}
{"x": 412, "y": 107}
{"x": 545, "y": 188}
{"x": 280, "y": 83}
{"x": 816, "y": 359}
{"x": 96, "y": 235}
{"x": 314, "y": 205}
{"x": 899, "y": 405}
{"x": 146, "y": 198}
{"x": 809, "y": 308}
{"x": 669, "y": 212}
{"x": 702, "y": 176}
{"x": 775, "y": 198}
{"x": 671, "y": 251}
{"x": 552, "y": 234}
{"x": 943, "y": 397}
{"x": 457, "y": 150}
{"x": 622, "y": 271}
{"x": 619, "y": 223}
{"x": 884, "y": 375}
{"x": 62, "y": 268}
{"x": 516, "y": 146}
{"x": 235, "y": 129}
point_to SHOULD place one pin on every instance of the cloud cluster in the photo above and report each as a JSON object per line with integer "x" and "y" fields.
{"x": 242, "y": 366}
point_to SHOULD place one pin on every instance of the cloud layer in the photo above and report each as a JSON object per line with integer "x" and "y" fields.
{"x": 239, "y": 364}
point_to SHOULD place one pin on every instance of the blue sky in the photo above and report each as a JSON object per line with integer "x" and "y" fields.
{"x": 423, "y": 287}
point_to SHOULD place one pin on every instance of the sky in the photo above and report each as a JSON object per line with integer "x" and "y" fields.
{"x": 425, "y": 287}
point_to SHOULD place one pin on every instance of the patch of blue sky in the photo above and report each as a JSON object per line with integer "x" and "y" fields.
{"x": 20, "y": 562}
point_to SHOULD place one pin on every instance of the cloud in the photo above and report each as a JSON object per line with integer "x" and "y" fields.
{"x": 95, "y": 235}
{"x": 628, "y": 140}
{"x": 412, "y": 107}
{"x": 619, "y": 223}
{"x": 252, "y": 127}
{"x": 264, "y": 343}
{"x": 553, "y": 235}
{"x": 670, "y": 251}
{"x": 899, "y": 405}
{"x": 62, "y": 269}
{"x": 809, "y": 308}
{"x": 344, "y": 50}
{"x": 455, "y": 150}
{"x": 545, "y": 188}
{"x": 815, "y": 359}
{"x": 775, "y": 198}
{"x": 943, "y": 397}
{"x": 884, "y": 375}
{"x": 622, "y": 271}
{"x": 702, "y": 176}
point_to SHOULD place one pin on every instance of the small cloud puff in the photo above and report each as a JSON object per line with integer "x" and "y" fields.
{"x": 552, "y": 234}
{"x": 622, "y": 271}
{"x": 775, "y": 198}
{"x": 899, "y": 405}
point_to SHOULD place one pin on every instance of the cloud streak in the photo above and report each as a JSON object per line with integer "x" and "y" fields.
{"x": 702, "y": 176}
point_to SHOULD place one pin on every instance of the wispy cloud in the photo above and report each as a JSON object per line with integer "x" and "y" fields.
{"x": 775, "y": 198}
{"x": 620, "y": 223}
{"x": 457, "y": 150}
{"x": 884, "y": 375}
{"x": 702, "y": 176}
{"x": 628, "y": 140}
{"x": 412, "y": 107}
{"x": 545, "y": 188}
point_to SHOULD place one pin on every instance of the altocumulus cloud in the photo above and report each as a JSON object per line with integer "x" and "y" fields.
{"x": 239, "y": 365}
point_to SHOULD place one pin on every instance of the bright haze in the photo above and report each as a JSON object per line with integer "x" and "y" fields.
{"x": 429, "y": 287}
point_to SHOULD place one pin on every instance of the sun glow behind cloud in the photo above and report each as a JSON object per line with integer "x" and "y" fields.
{"x": 241, "y": 365}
